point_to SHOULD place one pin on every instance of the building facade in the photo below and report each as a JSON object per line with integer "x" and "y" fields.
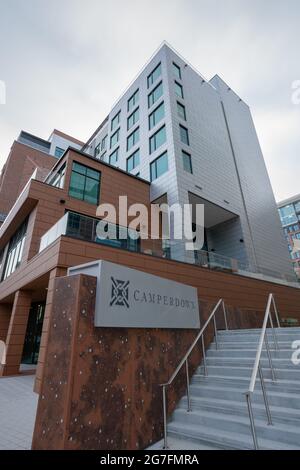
{"x": 196, "y": 142}
{"x": 27, "y": 154}
{"x": 289, "y": 212}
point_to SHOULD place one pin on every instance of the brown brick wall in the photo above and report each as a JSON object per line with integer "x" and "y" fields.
{"x": 20, "y": 164}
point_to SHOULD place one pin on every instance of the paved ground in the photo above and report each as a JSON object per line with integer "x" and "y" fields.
{"x": 18, "y": 405}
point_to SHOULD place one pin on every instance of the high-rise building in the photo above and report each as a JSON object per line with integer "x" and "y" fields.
{"x": 196, "y": 142}
{"x": 289, "y": 212}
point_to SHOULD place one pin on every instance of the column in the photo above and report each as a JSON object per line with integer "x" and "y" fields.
{"x": 16, "y": 332}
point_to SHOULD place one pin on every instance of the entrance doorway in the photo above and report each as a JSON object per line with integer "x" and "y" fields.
{"x": 33, "y": 333}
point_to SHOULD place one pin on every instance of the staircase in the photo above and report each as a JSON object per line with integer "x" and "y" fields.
{"x": 219, "y": 416}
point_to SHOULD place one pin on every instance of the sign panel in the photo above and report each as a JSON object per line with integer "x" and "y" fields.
{"x": 130, "y": 298}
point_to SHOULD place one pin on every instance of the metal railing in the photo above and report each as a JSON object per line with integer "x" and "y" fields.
{"x": 185, "y": 361}
{"x": 257, "y": 369}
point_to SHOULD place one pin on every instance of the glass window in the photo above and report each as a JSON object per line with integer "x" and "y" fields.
{"x": 187, "y": 162}
{"x": 115, "y": 121}
{"x": 133, "y": 119}
{"x": 297, "y": 206}
{"x": 58, "y": 152}
{"x": 155, "y": 95}
{"x": 133, "y": 138}
{"x": 133, "y": 161}
{"x": 84, "y": 183}
{"x": 181, "y": 111}
{"x": 157, "y": 115}
{"x": 59, "y": 178}
{"x": 97, "y": 150}
{"x": 157, "y": 139}
{"x": 184, "y": 135}
{"x": 159, "y": 166}
{"x": 103, "y": 143}
{"x": 178, "y": 90}
{"x": 133, "y": 100}
{"x": 113, "y": 158}
{"x": 154, "y": 75}
{"x": 177, "y": 70}
{"x": 15, "y": 250}
{"x": 288, "y": 215}
{"x": 114, "y": 138}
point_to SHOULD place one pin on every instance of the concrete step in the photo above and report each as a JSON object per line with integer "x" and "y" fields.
{"x": 226, "y": 392}
{"x": 285, "y": 386}
{"x": 286, "y": 433}
{"x": 279, "y": 414}
{"x": 255, "y": 338}
{"x": 282, "y": 345}
{"x": 239, "y": 371}
{"x": 176, "y": 443}
{"x": 249, "y": 353}
{"x": 223, "y": 439}
{"x": 249, "y": 362}
{"x": 257, "y": 331}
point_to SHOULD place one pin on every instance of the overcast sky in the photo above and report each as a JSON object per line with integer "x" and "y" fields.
{"x": 65, "y": 62}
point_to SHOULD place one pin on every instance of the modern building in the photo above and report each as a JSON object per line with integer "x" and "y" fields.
{"x": 196, "y": 142}
{"x": 28, "y": 154}
{"x": 172, "y": 137}
{"x": 289, "y": 212}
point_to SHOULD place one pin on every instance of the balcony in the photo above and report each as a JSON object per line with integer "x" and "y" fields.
{"x": 82, "y": 227}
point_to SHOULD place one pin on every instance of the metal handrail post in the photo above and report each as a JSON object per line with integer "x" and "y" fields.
{"x": 188, "y": 386}
{"x": 165, "y": 417}
{"x": 225, "y": 315}
{"x": 250, "y": 411}
{"x": 263, "y": 387}
{"x": 216, "y": 333}
{"x": 204, "y": 356}
{"x": 270, "y": 358}
{"x": 273, "y": 332}
{"x": 276, "y": 312}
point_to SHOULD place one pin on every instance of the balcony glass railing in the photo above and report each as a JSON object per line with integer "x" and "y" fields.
{"x": 85, "y": 228}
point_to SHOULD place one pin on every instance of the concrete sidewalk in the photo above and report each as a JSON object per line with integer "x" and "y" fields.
{"x": 18, "y": 404}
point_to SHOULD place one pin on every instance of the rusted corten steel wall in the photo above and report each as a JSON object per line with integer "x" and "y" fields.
{"x": 101, "y": 386}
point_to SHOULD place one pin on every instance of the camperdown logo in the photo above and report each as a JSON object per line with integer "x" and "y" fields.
{"x": 119, "y": 293}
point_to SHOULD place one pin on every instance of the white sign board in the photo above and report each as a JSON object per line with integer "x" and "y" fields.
{"x": 130, "y": 298}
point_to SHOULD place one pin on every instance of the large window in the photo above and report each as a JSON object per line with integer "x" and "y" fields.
{"x": 133, "y": 119}
{"x": 133, "y": 100}
{"x": 187, "y": 162}
{"x": 103, "y": 143}
{"x": 58, "y": 152}
{"x": 155, "y": 95}
{"x": 288, "y": 215}
{"x": 154, "y": 75}
{"x": 178, "y": 90}
{"x": 114, "y": 138}
{"x": 157, "y": 115}
{"x": 181, "y": 111}
{"x": 15, "y": 251}
{"x": 133, "y": 161}
{"x": 97, "y": 150}
{"x": 113, "y": 158}
{"x": 184, "y": 135}
{"x": 85, "y": 183}
{"x": 58, "y": 179}
{"x": 177, "y": 70}
{"x": 115, "y": 121}
{"x": 159, "y": 166}
{"x": 133, "y": 139}
{"x": 157, "y": 139}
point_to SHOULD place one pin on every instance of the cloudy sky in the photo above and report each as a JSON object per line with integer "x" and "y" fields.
{"x": 65, "y": 62}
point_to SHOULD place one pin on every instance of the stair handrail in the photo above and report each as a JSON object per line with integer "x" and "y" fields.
{"x": 185, "y": 358}
{"x": 257, "y": 367}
